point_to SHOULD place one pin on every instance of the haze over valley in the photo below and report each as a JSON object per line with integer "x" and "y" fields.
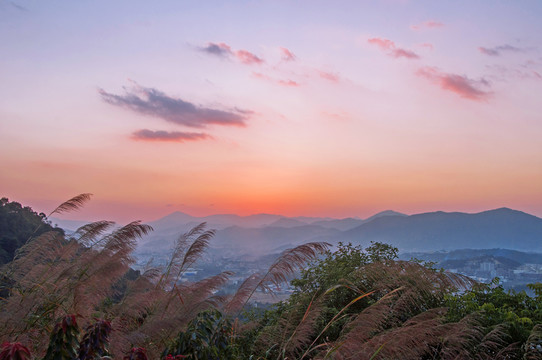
{"x": 253, "y": 242}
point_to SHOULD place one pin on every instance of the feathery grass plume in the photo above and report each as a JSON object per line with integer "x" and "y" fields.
{"x": 33, "y": 306}
{"x": 157, "y": 305}
{"x": 86, "y": 235}
{"x": 284, "y": 266}
{"x": 372, "y": 320}
{"x": 244, "y": 290}
{"x": 196, "y": 249}
{"x": 305, "y": 329}
{"x": 167, "y": 314}
{"x": 494, "y": 342}
{"x": 509, "y": 352}
{"x": 533, "y": 346}
{"x": 98, "y": 270}
{"x": 189, "y": 247}
{"x": 75, "y": 203}
{"x": 461, "y": 337}
{"x": 293, "y": 259}
{"x": 401, "y": 291}
{"x": 54, "y": 276}
{"x": 417, "y": 338}
{"x": 336, "y": 317}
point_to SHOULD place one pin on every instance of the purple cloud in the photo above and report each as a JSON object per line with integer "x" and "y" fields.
{"x": 497, "y": 50}
{"x": 220, "y": 49}
{"x": 224, "y": 50}
{"x": 174, "y": 136}
{"x": 152, "y": 102}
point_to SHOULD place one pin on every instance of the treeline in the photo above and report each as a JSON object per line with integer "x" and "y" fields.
{"x": 75, "y": 297}
{"x": 17, "y": 225}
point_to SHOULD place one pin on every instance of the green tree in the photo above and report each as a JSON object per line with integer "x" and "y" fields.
{"x": 17, "y": 225}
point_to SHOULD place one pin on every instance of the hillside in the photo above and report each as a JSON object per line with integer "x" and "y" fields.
{"x": 499, "y": 228}
{"x": 17, "y": 225}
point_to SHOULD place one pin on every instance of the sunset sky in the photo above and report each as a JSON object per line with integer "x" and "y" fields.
{"x": 316, "y": 108}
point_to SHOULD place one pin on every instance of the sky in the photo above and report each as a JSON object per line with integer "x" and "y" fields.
{"x": 315, "y": 108}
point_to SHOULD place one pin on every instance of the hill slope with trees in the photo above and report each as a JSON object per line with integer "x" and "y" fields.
{"x": 17, "y": 225}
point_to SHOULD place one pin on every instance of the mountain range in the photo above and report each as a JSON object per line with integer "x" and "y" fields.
{"x": 261, "y": 234}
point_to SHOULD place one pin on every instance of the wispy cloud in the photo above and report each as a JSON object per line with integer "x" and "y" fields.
{"x": 288, "y": 82}
{"x": 429, "y": 24}
{"x": 218, "y": 49}
{"x": 391, "y": 49}
{"x": 18, "y": 6}
{"x": 224, "y": 50}
{"x": 459, "y": 84}
{"x": 498, "y": 50}
{"x": 174, "y": 136}
{"x": 152, "y": 102}
{"x": 525, "y": 72}
{"x": 342, "y": 116}
{"x": 427, "y": 46}
{"x": 287, "y": 55}
{"x": 328, "y": 76}
{"x": 248, "y": 58}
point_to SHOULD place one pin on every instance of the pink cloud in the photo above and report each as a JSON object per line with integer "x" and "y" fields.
{"x": 461, "y": 85}
{"x": 341, "y": 116}
{"x": 397, "y": 53}
{"x": 427, "y": 45}
{"x": 289, "y": 83}
{"x": 430, "y": 24}
{"x": 260, "y": 76}
{"x": 160, "y": 135}
{"x": 247, "y": 57}
{"x": 287, "y": 55}
{"x": 224, "y": 50}
{"x": 328, "y": 76}
{"x": 384, "y": 44}
{"x": 391, "y": 50}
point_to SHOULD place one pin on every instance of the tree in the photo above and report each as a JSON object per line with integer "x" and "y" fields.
{"x": 17, "y": 225}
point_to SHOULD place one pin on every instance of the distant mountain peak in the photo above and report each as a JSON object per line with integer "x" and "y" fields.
{"x": 385, "y": 213}
{"x": 287, "y": 223}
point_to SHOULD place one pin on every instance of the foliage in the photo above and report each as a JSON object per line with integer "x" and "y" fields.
{"x": 94, "y": 343}
{"x": 136, "y": 354}
{"x": 14, "y": 351}
{"x": 88, "y": 274}
{"x": 17, "y": 225}
{"x": 339, "y": 270}
{"x": 64, "y": 343}
{"x": 351, "y": 303}
{"x": 514, "y": 317}
{"x": 208, "y": 336}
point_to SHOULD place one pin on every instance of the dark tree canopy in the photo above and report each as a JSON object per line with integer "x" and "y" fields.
{"x": 17, "y": 225}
